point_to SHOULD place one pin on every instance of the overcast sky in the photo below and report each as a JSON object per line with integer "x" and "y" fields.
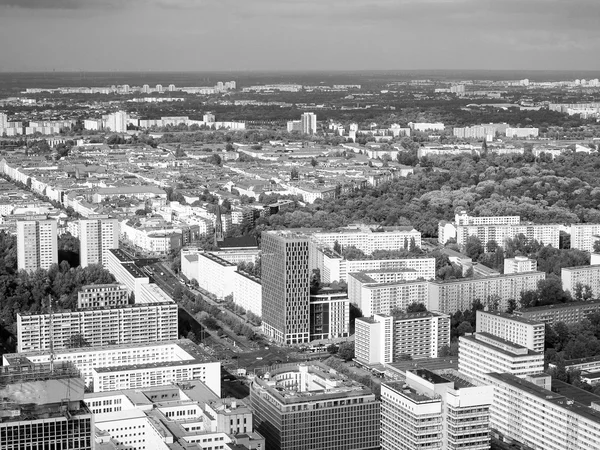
{"x": 211, "y": 35}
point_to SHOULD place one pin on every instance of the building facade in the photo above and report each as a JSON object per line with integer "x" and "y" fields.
{"x": 102, "y": 296}
{"x": 569, "y": 313}
{"x": 96, "y": 237}
{"x": 285, "y": 287}
{"x": 37, "y": 244}
{"x": 329, "y": 314}
{"x": 528, "y": 333}
{"x": 574, "y": 278}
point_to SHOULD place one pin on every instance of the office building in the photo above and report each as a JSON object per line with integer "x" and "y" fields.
{"x": 542, "y": 414}
{"x": 308, "y": 122}
{"x": 102, "y": 296}
{"x": 135, "y": 324}
{"x": 450, "y": 296}
{"x": 584, "y": 236}
{"x": 435, "y": 411}
{"x": 311, "y": 406}
{"x": 43, "y": 408}
{"x": 482, "y": 353}
{"x": 37, "y": 244}
{"x": 285, "y": 287}
{"x": 329, "y": 314}
{"x": 96, "y": 237}
{"x": 528, "y": 333}
{"x": 574, "y": 278}
{"x": 383, "y": 339}
{"x": 519, "y": 264}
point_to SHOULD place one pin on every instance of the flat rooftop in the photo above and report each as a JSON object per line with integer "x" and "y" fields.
{"x": 511, "y": 317}
{"x": 570, "y": 305}
{"x": 156, "y": 365}
{"x": 519, "y": 350}
{"x": 121, "y": 255}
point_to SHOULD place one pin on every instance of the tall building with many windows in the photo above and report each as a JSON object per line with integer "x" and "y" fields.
{"x": 432, "y": 411}
{"x": 37, "y": 244}
{"x": 311, "y": 406}
{"x": 285, "y": 286}
{"x": 96, "y": 237}
{"x": 309, "y": 123}
{"x": 525, "y": 332}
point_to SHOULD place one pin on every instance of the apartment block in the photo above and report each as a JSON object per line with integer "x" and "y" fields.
{"x": 285, "y": 281}
{"x": 150, "y": 363}
{"x": 102, "y": 296}
{"x": 435, "y": 411}
{"x": 519, "y": 264}
{"x": 329, "y": 314}
{"x": 37, "y": 244}
{"x": 482, "y": 353}
{"x": 96, "y": 237}
{"x": 42, "y": 408}
{"x": 584, "y": 236}
{"x": 213, "y": 273}
{"x": 540, "y": 414}
{"x": 462, "y": 218}
{"x": 383, "y": 339}
{"x": 569, "y": 313}
{"x": 368, "y": 240}
{"x": 136, "y": 324}
{"x": 247, "y": 292}
{"x": 528, "y": 333}
{"x": 572, "y": 277}
{"x": 311, "y": 406}
{"x": 450, "y": 296}
{"x": 547, "y": 234}
{"x": 125, "y": 271}
{"x": 380, "y": 298}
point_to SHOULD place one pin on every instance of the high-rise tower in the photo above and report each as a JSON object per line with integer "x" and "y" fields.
{"x": 285, "y": 286}
{"x": 37, "y": 244}
{"x": 96, "y": 237}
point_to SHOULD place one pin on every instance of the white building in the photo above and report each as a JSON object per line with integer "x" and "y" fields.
{"x": 584, "y": 235}
{"x": 528, "y": 412}
{"x": 213, "y": 273}
{"x": 102, "y": 296}
{"x": 116, "y": 122}
{"x": 98, "y": 327}
{"x": 524, "y": 133}
{"x": 524, "y": 332}
{"x": 431, "y": 411}
{"x": 37, "y": 244}
{"x": 308, "y": 122}
{"x": 547, "y": 234}
{"x": 589, "y": 276}
{"x": 247, "y": 292}
{"x": 125, "y": 271}
{"x": 423, "y": 126}
{"x": 382, "y": 339}
{"x": 519, "y": 264}
{"x": 449, "y": 296}
{"x": 482, "y": 353}
{"x": 96, "y": 237}
{"x": 90, "y": 361}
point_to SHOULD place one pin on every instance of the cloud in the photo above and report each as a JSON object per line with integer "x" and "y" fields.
{"x": 62, "y": 4}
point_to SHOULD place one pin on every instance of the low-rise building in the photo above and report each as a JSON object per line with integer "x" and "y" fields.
{"x": 519, "y": 264}
{"x": 329, "y": 314}
{"x": 102, "y": 296}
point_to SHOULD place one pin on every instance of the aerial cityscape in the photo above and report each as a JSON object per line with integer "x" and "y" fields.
{"x": 296, "y": 227}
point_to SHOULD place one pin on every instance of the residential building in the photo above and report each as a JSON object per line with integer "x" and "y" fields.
{"x": 547, "y": 234}
{"x": 102, "y": 296}
{"x": 42, "y": 408}
{"x": 435, "y": 411}
{"x": 247, "y": 292}
{"x": 137, "y": 323}
{"x": 37, "y": 244}
{"x": 519, "y": 264}
{"x": 525, "y": 133}
{"x": 482, "y": 353}
{"x": 570, "y": 313}
{"x": 528, "y": 333}
{"x": 308, "y": 122}
{"x": 381, "y": 298}
{"x": 213, "y": 274}
{"x": 368, "y": 240}
{"x": 329, "y": 314}
{"x": 97, "y": 236}
{"x": 382, "y": 339}
{"x": 584, "y": 236}
{"x": 116, "y": 122}
{"x": 542, "y": 414}
{"x": 449, "y": 296}
{"x": 311, "y": 406}
{"x": 125, "y": 271}
{"x": 574, "y": 278}
{"x": 285, "y": 282}
{"x": 150, "y": 363}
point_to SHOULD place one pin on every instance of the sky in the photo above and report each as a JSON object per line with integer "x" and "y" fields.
{"x": 263, "y": 35}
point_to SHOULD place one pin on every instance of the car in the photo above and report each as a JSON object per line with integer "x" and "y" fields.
{"x": 259, "y": 357}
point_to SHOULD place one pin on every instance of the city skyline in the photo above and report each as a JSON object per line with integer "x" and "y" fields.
{"x": 269, "y": 35}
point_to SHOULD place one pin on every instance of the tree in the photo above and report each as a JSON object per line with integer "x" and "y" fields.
{"x": 332, "y": 349}
{"x": 464, "y": 328}
{"x": 210, "y": 323}
{"x": 596, "y": 246}
{"x": 337, "y": 247}
{"x": 294, "y": 174}
{"x": 416, "y": 307}
{"x": 314, "y": 162}
{"x": 473, "y": 247}
{"x": 346, "y": 351}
